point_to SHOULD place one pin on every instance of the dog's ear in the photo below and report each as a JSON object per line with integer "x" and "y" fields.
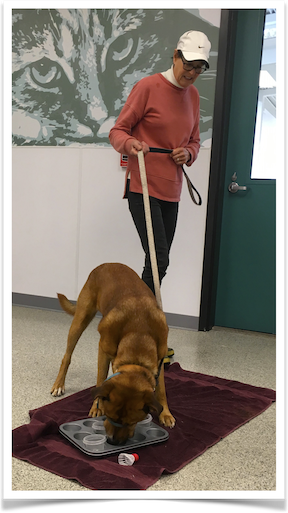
{"x": 152, "y": 404}
{"x": 96, "y": 392}
{"x": 101, "y": 392}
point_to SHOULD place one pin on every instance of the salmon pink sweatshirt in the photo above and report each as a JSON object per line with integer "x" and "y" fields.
{"x": 164, "y": 116}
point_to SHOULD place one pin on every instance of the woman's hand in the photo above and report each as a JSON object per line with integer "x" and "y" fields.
{"x": 136, "y": 146}
{"x": 180, "y": 156}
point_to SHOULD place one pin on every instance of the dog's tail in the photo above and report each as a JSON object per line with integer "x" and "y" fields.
{"x": 66, "y": 304}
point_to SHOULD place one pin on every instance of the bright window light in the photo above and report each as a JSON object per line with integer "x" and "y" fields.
{"x": 266, "y": 81}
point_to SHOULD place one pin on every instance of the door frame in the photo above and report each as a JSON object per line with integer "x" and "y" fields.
{"x": 223, "y": 93}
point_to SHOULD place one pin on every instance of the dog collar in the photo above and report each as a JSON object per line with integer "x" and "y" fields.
{"x": 116, "y": 424}
{"x": 156, "y": 378}
{"x": 112, "y": 375}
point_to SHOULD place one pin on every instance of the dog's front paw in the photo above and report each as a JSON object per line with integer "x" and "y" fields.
{"x": 57, "y": 390}
{"x": 96, "y": 409}
{"x": 167, "y": 419}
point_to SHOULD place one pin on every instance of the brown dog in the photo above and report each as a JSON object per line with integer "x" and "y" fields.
{"x": 133, "y": 336}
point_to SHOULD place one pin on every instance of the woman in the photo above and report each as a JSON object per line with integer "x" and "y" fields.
{"x": 162, "y": 111}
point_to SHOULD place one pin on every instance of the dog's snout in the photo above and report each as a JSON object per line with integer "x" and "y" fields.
{"x": 115, "y": 441}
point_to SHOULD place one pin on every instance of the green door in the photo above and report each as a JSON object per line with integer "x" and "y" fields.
{"x": 246, "y": 286}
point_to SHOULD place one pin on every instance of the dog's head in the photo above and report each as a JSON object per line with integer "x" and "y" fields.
{"x": 126, "y": 401}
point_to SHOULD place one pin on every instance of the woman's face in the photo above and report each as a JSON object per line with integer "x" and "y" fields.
{"x": 184, "y": 78}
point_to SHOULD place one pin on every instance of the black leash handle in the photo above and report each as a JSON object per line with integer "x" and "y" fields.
{"x": 160, "y": 150}
{"x": 190, "y": 185}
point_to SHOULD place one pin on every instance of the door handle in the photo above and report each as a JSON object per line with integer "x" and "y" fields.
{"x": 234, "y": 187}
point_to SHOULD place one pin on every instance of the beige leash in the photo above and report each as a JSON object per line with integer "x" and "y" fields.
{"x": 149, "y": 227}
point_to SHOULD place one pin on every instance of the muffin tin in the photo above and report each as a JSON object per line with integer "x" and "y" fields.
{"x": 89, "y": 436}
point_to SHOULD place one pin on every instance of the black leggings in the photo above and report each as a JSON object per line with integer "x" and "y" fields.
{"x": 164, "y": 218}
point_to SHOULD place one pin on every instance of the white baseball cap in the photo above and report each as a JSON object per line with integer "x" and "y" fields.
{"x": 195, "y": 46}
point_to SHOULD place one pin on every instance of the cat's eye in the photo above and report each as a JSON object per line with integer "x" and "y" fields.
{"x": 122, "y": 50}
{"x": 45, "y": 73}
{"x": 127, "y": 47}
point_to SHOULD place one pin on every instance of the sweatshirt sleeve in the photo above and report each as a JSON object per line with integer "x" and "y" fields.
{"x": 194, "y": 143}
{"x": 129, "y": 116}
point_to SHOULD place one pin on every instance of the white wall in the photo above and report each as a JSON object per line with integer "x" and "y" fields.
{"x": 69, "y": 217}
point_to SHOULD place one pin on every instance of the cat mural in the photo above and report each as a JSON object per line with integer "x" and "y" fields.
{"x": 73, "y": 69}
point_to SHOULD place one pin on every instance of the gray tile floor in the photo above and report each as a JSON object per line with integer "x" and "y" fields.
{"x": 245, "y": 460}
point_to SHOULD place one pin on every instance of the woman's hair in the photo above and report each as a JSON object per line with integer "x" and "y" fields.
{"x": 178, "y": 56}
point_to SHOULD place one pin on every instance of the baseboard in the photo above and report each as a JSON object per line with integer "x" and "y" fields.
{"x": 186, "y": 322}
{"x": 41, "y": 302}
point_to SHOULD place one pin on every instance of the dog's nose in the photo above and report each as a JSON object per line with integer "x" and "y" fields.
{"x": 114, "y": 441}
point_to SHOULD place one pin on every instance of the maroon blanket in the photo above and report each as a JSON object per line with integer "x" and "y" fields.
{"x": 206, "y": 409}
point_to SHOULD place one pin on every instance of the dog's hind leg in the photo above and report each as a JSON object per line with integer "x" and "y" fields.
{"x": 80, "y": 322}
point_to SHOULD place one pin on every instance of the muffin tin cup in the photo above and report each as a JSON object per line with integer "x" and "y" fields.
{"x": 89, "y": 436}
{"x": 98, "y": 426}
{"x": 145, "y": 424}
{"x": 94, "y": 442}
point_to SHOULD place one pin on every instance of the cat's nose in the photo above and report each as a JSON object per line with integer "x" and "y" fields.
{"x": 97, "y": 111}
